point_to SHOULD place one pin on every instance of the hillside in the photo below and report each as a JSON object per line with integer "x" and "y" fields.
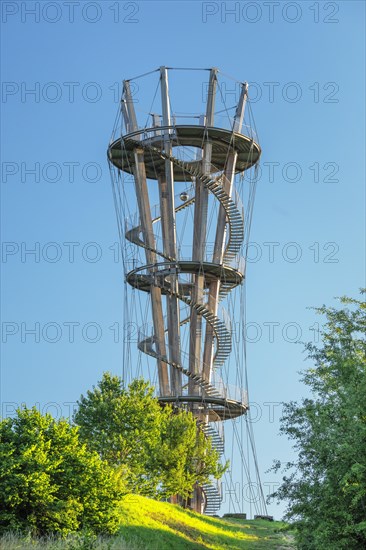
{"x": 150, "y": 525}
{"x": 158, "y": 526}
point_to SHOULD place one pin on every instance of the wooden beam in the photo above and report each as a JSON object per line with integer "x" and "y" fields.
{"x": 130, "y": 119}
{"x": 155, "y": 292}
{"x": 167, "y": 207}
{"x": 199, "y": 242}
{"x": 149, "y": 239}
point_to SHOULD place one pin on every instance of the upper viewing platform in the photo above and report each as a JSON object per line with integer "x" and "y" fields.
{"x": 184, "y": 134}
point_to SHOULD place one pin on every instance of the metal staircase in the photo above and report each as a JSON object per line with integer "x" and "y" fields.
{"x": 234, "y": 216}
{"x": 191, "y": 333}
{"x": 211, "y": 490}
{"x": 158, "y": 275}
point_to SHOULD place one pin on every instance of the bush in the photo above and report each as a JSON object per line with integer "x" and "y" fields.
{"x": 326, "y": 485}
{"x": 158, "y": 449}
{"x": 50, "y": 482}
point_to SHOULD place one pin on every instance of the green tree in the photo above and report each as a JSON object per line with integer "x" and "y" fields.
{"x": 50, "y": 482}
{"x": 185, "y": 455}
{"x": 157, "y": 448}
{"x": 326, "y": 486}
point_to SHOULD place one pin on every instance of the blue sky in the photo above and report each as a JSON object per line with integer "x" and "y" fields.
{"x": 309, "y": 51}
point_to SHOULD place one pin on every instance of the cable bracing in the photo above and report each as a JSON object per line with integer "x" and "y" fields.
{"x": 183, "y": 257}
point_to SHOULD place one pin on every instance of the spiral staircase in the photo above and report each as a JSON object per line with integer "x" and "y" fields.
{"x": 173, "y": 276}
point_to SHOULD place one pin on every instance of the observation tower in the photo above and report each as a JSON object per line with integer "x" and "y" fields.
{"x": 185, "y": 256}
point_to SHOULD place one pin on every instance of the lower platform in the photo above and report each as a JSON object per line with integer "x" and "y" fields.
{"x": 216, "y": 408}
{"x": 143, "y": 277}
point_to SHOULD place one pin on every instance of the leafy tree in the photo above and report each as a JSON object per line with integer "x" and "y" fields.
{"x": 326, "y": 485}
{"x": 186, "y": 456}
{"x": 50, "y": 482}
{"x": 157, "y": 449}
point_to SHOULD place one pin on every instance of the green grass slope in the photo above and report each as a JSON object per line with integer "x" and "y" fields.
{"x": 161, "y": 526}
{"x": 150, "y": 525}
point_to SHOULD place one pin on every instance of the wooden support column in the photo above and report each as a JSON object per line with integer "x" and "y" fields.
{"x": 198, "y": 254}
{"x": 148, "y": 234}
{"x": 167, "y": 208}
{"x": 199, "y": 242}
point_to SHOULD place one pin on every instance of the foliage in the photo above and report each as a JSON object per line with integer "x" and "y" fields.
{"x": 185, "y": 455}
{"x": 157, "y": 449}
{"x": 326, "y": 486}
{"x": 50, "y": 482}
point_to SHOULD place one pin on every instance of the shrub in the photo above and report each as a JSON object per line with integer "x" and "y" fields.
{"x": 52, "y": 483}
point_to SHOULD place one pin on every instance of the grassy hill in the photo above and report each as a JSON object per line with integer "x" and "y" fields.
{"x": 158, "y": 525}
{"x": 147, "y": 524}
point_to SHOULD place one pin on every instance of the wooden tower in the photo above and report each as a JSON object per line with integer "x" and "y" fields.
{"x": 186, "y": 289}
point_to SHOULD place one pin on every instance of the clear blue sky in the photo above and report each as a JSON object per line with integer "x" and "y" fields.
{"x": 309, "y": 51}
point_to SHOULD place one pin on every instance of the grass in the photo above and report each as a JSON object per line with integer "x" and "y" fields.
{"x": 73, "y": 542}
{"x": 151, "y": 525}
{"x": 159, "y": 525}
